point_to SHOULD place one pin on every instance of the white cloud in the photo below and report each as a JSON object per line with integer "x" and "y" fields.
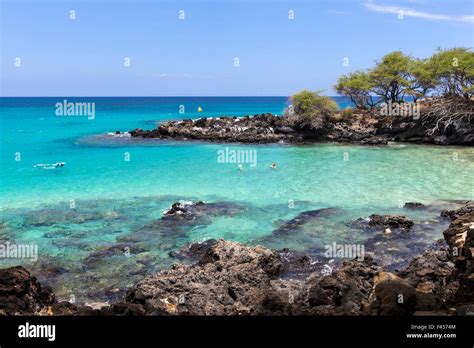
{"x": 372, "y": 6}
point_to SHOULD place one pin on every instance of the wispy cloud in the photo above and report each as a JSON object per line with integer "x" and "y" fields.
{"x": 409, "y": 12}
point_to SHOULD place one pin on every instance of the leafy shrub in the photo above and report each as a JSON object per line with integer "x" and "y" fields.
{"x": 311, "y": 111}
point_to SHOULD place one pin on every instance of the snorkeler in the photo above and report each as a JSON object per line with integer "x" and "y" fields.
{"x": 273, "y": 166}
{"x": 50, "y": 166}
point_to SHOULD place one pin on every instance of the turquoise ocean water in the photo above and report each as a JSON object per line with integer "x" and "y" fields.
{"x": 112, "y": 189}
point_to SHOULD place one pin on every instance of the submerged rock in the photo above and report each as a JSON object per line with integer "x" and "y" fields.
{"x": 394, "y": 221}
{"x": 120, "y": 249}
{"x": 176, "y": 222}
{"x": 383, "y": 221}
{"x": 183, "y": 210}
{"x": 232, "y": 279}
{"x": 413, "y": 205}
{"x": 303, "y": 218}
{"x": 54, "y": 216}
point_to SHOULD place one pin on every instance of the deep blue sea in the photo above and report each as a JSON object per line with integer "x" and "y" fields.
{"x": 112, "y": 189}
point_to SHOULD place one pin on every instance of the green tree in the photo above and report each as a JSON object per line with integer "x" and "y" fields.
{"x": 391, "y": 77}
{"x": 421, "y": 77}
{"x": 357, "y": 86}
{"x": 453, "y": 71}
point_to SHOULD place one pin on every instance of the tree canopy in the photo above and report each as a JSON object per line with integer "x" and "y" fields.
{"x": 357, "y": 86}
{"x": 391, "y": 76}
{"x": 397, "y": 76}
{"x": 453, "y": 71}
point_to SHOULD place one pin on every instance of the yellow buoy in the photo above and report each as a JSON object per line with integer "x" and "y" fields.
{"x": 199, "y": 109}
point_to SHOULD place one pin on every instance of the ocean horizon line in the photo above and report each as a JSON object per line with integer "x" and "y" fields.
{"x": 159, "y": 96}
{"x": 165, "y": 96}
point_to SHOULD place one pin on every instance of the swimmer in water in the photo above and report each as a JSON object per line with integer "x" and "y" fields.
{"x": 50, "y": 166}
{"x": 273, "y": 166}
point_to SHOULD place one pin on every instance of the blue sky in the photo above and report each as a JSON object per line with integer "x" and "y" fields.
{"x": 195, "y": 56}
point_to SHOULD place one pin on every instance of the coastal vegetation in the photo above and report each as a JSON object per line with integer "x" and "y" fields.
{"x": 311, "y": 112}
{"x": 401, "y": 99}
{"x": 398, "y": 77}
{"x": 441, "y": 86}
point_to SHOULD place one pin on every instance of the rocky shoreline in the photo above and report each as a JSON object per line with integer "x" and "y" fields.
{"x": 364, "y": 127}
{"x": 228, "y": 278}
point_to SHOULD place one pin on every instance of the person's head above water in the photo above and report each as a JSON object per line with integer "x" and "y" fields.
{"x": 274, "y": 165}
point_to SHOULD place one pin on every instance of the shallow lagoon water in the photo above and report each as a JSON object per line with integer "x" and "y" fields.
{"x": 114, "y": 199}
